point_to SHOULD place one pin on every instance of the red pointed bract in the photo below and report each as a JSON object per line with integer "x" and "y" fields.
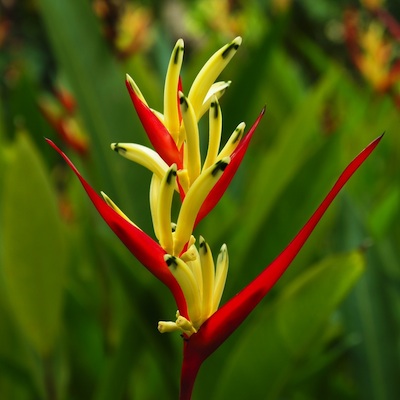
{"x": 142, "y": 246}
{"x": 157, "y": 133}
{"x": 220, "y": 187}
{"x": 59, "y": 125}
{"x": 227, "y": 319}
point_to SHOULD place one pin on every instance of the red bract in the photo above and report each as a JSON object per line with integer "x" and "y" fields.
{"x": 376, "y": 59}
{"x": 227, "y": 319}
{"x": 63, "y": 124}
{"x": 142, "y": 246}
{"x": 157, "y": 133}
{"x": 65, "y": 98}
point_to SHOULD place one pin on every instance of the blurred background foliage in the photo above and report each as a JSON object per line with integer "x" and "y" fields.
{"x": 78, "y": 313}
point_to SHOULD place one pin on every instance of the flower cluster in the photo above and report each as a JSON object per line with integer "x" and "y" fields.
{"x": 189, "y": 271}
{"x": 60, "y": 110}
{"x": 176, "y": 164}
{"x": 372, "y": 35}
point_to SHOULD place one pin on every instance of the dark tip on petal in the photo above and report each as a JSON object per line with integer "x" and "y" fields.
{"x": 214, "y": 105}
{"x": 238, "y": 132}
{"x": 171, "y": 175}
{"x": 216, "y": 111}
{"x": 119, "y": 149}
{"x": 171, "y": 261}
{"x": 231, "y": 47}
{"x": 183, "y": 102}
{"x": 176, "y": 54}
{"x": 219, "y": 166}
{"x": 203, "y": 246}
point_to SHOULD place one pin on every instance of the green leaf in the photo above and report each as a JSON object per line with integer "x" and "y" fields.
{"x": 33, "y": 247}
{"x": 306, "y": 304}
{"x": 278, "y": 342}
{"x": 370, "y": 312}
{"x": 384, "y": 213}
{"x": 18, "y": 372}
{"x": 274, "y": 171}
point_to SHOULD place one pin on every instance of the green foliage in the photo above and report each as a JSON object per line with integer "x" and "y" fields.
{"x": 289, "y": 330}
{"x": 79, "y": 314}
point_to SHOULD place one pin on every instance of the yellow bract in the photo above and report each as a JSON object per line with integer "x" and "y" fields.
{"x": 202, "y": 284}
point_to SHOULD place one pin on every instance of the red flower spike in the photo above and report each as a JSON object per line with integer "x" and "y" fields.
{"x": 78, "y": 144}
{"x": 220, "y": 187}
{"x": 227, "y": 319}
{"x": 61, "y": 124}
{"x": 157, "y": 133}
{"x": 142, "y": 246}
{"x": 66, "y": 99}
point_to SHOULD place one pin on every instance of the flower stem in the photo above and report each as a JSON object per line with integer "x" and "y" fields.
{"x": 190, "y": 367}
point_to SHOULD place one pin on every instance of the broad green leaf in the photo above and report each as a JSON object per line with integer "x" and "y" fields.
{"x": 370, "y": 312}
{"x": 19, "y": 377}
{"x": 274, "y": 345}
{"x": 33, "y": 249}
{"x": 307, "y": 303}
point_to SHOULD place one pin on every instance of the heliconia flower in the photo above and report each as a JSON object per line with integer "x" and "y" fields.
{"x": 176, "y": 167}
{"x": 195, "y": 280}
{"x": 59, "y": 111}
{"x": 195, "y": 283}
{"x": 372, "y": 49}
{"x": 174, "y": 258}
{"x": 66, "y": 99}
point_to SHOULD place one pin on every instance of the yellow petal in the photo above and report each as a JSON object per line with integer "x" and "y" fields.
{"x": 143, "y": 156}
{"x": 220, "y": 276}
{"x": 215, "y": 130}
{"x": 164, "y": 203}
{"x": 192, "y": 160}
{"x": 171, "y": 112}
{"x": 193, "y": 201}
{"x": 207, "y": 267}
{"x": 187, "y": 282}
{"x": 209, "y": 73}
{"x": 217, "y": 90}
{"x": 232, "y": 142}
